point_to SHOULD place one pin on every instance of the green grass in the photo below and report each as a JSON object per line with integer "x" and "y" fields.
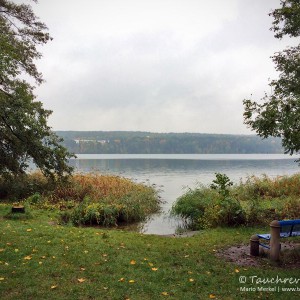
{"x": 41, "y": 260}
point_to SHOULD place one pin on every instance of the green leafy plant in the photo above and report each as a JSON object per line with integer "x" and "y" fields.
{"x": 222, "y": 183}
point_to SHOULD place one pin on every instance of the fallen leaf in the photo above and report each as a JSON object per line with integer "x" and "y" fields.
{"x": 150, "y": 264}
{"x": 81, "y": 280}
{"x": 132, "y": 262}
{"x": 165, "y": 293}
{"x": 28, "y": 257}
{"x": 191, "y": 280}
{"x": 121, "y": 279}
{"x": 131, "y": 281}
{"x": 2, "y": 278}
{"x": 212, "y": 296}
{"x": 29, "y": 229}
{"x": 154, "y": 269}
{"x": 16, "y": 250}
{"x": 1, "y": 250}
{"x": 53, "y": 287}
{"x": 236, "y": 270}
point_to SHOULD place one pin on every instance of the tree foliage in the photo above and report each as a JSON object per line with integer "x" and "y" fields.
{"x": 133, "y": 142}
{"x": 279, "y": 113}
{"x": 24, "y": 133}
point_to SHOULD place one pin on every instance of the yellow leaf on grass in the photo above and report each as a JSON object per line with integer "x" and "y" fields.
{"x": 212, "y": 296}
{"x": 165, "y": 293}
{"x": 80, "y": 280}
{"x": 154, "y": 269}
{"x": 191, "y": 280}
{"x": 2, "y": 278}
{"x": 1, "y": 250}
{"x": 131, "y": 281}
{"x": 29, "y": 229}
{"x": 236, "y": 270}
{"x": 132, "y": 262}
{"x": 121, "y": 279}
{"x": 28, "y": 257}
{"x": 53, "y": 287}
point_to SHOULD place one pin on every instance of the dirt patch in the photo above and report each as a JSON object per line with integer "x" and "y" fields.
{"x": 240, "y": 255}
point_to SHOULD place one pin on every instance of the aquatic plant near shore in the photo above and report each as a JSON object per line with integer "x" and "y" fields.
{"x": 255, "y": 202}
{"x": 91, "y": 198}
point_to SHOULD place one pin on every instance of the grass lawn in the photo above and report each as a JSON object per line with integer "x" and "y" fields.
{"x": 42, "y": 260}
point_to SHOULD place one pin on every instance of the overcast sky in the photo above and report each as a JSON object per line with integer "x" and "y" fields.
{"x": 155, "y": 65}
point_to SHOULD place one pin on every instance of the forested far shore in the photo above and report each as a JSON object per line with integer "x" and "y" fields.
{"x": 135, "y": 142}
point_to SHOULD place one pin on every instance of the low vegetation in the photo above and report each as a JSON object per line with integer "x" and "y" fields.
{"x": 85, "y": 199}
{"x": 257, "y": 201}
{"x": 40, "y": 259}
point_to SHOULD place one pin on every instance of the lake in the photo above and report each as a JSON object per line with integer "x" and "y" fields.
{"x": 173, "y": 173}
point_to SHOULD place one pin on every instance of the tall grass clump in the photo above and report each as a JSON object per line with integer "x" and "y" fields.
{"x": 86, "y": 199}
{"x": 257, "y": 201}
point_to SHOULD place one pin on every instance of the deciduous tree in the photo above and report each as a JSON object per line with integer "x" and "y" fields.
{"x": 24, "y": 133}
{"x": 278, "y": 114}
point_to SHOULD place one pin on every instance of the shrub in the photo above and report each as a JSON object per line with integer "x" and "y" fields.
{"x": 210, "y": 207}
{"x": 19, "y": 187}
{"x": 258, "y": 201}
{"x": 192, "y": 205}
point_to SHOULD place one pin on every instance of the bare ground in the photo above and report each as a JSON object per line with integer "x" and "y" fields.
{"x": 240, "y": 255}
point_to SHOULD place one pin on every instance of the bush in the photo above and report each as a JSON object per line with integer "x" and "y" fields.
{"x": 258, "y": 201}
{"x": 19, "y": 187}
{"x": 210, "y": 207}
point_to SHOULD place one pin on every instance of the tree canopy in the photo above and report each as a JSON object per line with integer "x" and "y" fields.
{"x": 278, "y": 114}
{"x": 24, "y": 133}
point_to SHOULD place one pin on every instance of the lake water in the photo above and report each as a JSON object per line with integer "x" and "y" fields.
{"x": 173, "y": 173}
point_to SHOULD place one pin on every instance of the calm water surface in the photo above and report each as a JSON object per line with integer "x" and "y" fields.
{"x": 173, "y": 173}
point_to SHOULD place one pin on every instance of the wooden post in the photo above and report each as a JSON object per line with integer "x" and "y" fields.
{"x": 254, "y": 245}
{"x": 275, "y": 240}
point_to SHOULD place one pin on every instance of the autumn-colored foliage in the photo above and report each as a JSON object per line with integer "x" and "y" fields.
{"x": 87, "y": 198}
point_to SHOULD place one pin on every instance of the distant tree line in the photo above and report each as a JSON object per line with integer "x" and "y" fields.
{"x": 129, "y": 142}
